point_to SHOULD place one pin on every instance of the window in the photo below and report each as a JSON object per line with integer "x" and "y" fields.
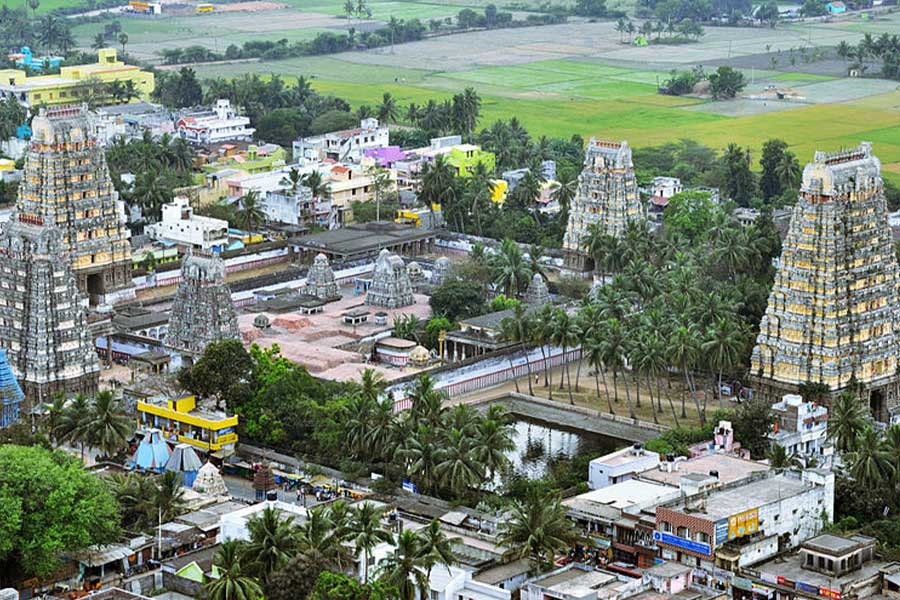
{"x": 665, "y": 526}
{"x": 684, "y": 532}
{"x": 701, "y": 536}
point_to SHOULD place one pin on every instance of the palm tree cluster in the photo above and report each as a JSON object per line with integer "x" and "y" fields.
{"x": 283, "y": 559}
{"x": 100, "y": 422}
{"x": 160, "y": 165}
{"x": 885, "y": 48}
{"x": 146, "y": 501}
{"x": 538, "y": 528}
{"x": 441, "y": 450}
{"x": 871, "y": 458}
{"x": 458, "y": 114}
{"x": 667, "y": 309}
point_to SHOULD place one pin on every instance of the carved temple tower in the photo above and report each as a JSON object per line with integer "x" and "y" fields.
{"x": 607, "y": 195}
{"x": 67, "y": 184}
{"x": 43, "y": 323}
{"x": 202, "y": 311}
{"x": 832, "y": 316}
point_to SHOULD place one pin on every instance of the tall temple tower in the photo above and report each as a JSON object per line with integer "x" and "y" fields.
{"x": 67, "y": 184}
{"x": 832, "y": 316}
{"x": 607, "y": 194}
{"x": 43, "y": 324}
{"x": 202, "y": 311}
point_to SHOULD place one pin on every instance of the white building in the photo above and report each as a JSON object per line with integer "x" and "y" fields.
{"x": 801, "y": 427}
{"x": 220, "y": 124}
{"x": 665, "y": 187}
{"x": 233, "y": 525}
{"x": 180, "y": 225}
{"x": 347, "y": 145}
{"x": 453, "y": 583}
{"x": 620, "y": 466}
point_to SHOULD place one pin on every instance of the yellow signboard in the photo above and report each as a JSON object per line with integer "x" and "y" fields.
{"x": 743, "y": 524}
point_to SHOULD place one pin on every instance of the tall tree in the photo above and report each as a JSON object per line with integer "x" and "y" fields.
{"x": 538, "y": 528}
{"x": 769, "y": 182}
{"x": 232, "y": 584}
{"x": 406, "y": 569}
{"x": 108, "y": 427}
{"x": 511, "y": 272}
{"x": 366, "y": 533}
{"x": 846, "y": 422}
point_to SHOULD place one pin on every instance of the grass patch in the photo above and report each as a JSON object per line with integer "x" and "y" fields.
{"x": 793, "y": 76}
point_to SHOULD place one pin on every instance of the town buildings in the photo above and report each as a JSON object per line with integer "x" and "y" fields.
{"x": 747, "y": 521}
{"x": 347, "y": 145}
{"x": 607, "y": 197}
{"x": 832, "y": 314}
{"x": 221, "y": 123}
{"x": 801, "y": 428}
{"x": 828, "y": 566}
{"x": 620, "y": 466}
{"x": 76, "y": 83}
{"x": 67, "y": 184}
{"x": 183, "y": 421}
{"x": 181, "y": 226}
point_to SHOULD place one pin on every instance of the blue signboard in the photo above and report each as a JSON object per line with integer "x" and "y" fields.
{"x": 804, "y": 587}
{"x": 680, "y": 542}
{"x": 409, "y": 486}
{"x": 721, "y": 531}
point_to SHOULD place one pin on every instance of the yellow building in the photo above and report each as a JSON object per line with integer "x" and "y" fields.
{"x": 181, "y": 421}
{"x": 76, "y": 83}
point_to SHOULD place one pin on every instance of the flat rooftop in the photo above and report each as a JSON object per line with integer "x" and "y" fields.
{"x": 791, "y": 567}
{"x": 721, "y": 504}
{"x": 620, "y": 457}
{"x": 730, "y": 468}
{"x": 835, "y": 544}
{"x": 620, "y": 496}
{"x": 576, "y": 582}
{"x": 366, "y": 238}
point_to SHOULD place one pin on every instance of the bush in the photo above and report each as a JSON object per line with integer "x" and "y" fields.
{"x": 573, "y": 287}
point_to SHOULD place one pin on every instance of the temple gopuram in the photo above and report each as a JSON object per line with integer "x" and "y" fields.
{"x": 832, "y": 315}
{"x": 67, "y": 184}
{"x": 607, "y": 195}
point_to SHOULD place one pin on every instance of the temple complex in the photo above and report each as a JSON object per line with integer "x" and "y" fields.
{"x": 832, "y": 315}
{"x": 537, "y": 293}
{"x": 43, "y": 324}
{"x": 202, "y": 311}
{"x": 67, "y": 184}
{"x": 607, "y": 195}
{"x": 320, "y": 280}
{"x": 390, "y": 286}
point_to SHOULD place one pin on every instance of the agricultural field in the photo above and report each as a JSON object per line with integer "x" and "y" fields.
{"x": 578, "y": 77}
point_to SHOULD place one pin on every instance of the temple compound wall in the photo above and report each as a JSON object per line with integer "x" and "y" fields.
{"x": 67, "y": 184}
{"x": 832, "y": 316}
{"x": 607, "y": 195}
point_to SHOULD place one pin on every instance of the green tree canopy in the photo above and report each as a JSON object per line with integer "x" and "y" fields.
{"x": 49, "y": 506}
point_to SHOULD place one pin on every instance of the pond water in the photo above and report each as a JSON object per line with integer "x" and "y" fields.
{"x": 538, "y": 443}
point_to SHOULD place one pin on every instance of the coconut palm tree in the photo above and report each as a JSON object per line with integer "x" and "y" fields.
{"x": 167, "y": 497}
{"x": 846, "y": 422}
{"x": 870, "y": 464}
{"x": 421, "y": 453}
{"x": 723, "y": 348}
{"x": 318, "y": 187}
{"x": 458, "y": 469}
{"x": 435, "y": 548}
{"x": 517, "y": 329}
{"x": 406, "y": 568}
{"x": 493, "y": 440}
{"x": 427, "y": 403}
{"x": 788, "y": 171}
{"x": 321, "y": 543}
{"x": 108, "y": 427}
{"x": 232, "y": 584}
{"x": 538, "y": 529}
{"x": 273, "y": 541}
{"x": 542, "y": 334}
{"x": 74, "y": 421}
{"x": 614, "y": 345}
{"x": 250, "y": 214}
{"x": 388, "y": 109}
{"x": 438, "y": 185}
{"x": 779, "y": 458}
{"x": 292, "y": 180}
{"x": 653, "y": 362}
{"x": 511, "y": 272}
{"x": 366, "y": 533}
{"x": 565, "y": 334}
{"x": 684, "y": 346}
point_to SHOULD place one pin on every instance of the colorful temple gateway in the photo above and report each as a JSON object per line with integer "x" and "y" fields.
{"x": 11, "y": 395}
{"x": 67, "y": 184}
{"x": 607, "y": 195}
{"x": 43, "y": 323}
{"x": 832, "y": 316}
